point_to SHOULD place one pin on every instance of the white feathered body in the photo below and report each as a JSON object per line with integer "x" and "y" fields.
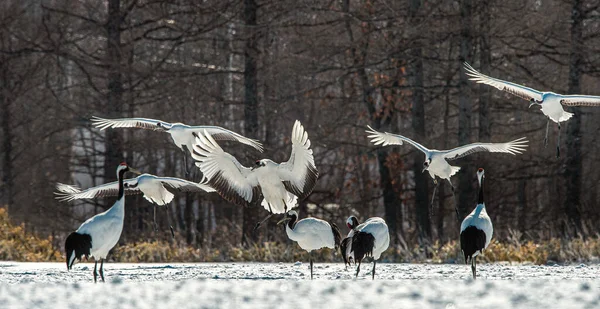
{"x": 479, "y": 219}
{"x": 105, "y": 229}
{"x": 377, "y": 227}
{"x": 273, "y": 190}
{"x": 311, "y": 234}
{"x": 154, "y": 191}
{"x": 182, "y": 136}
{"x": 552, "y": 107}
{"x": 440, "y": 167}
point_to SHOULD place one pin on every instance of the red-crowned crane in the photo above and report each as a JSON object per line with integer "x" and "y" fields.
{"x": 100, "y": 233}
{"x": 550, "y": 102}
{"x": 476, "y": 229}
{"x": 281, "y": 184}
{"x": 370, "y": 238}
{"x": 311, "y": 234}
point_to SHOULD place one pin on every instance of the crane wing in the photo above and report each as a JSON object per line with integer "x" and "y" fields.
{"x": 512, "y": 147}
{"x": 68, "y": 193}
{"x": 299, "y": 173}
{"x": 142, "y": 123}
{"x": 385, "y": 139}
{"x": 512, "y": 88}
{"x": 222, "y": 134}
{"x": 233, "y": 181}
{"x": 580, "y": 100}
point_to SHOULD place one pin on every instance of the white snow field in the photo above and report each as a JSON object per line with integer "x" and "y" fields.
{"x": 288, "y": 285}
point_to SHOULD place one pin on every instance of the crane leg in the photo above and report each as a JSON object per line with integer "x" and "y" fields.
{"x": 473, "y": 262}
{"x": 311, "y": 264}
{"x": 454, "y": 199}
{"x": 357, "y": 269}
{"x": 155, "y": 225}
{"x": 95, "y": 273}
{"x": 101, "y": 270}
{"x": 374, "y": 262}
{"x": 558, "y": 143}
{"x": 546, "y": 136}
{"x": 436, "y": 183}
{"x": 169, "y": 221}
{"x": 265, "y": 219}
{"x": 185, "y": 166}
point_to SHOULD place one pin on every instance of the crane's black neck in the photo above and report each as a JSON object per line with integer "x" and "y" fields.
{"x": 480, "y": 200}
{"x": 292, "y": 221}
{"x": 355, "y": 223}
{"x": 121, "y": 189}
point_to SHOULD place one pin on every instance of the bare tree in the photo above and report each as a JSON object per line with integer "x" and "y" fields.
{"x": 574, "y": 152}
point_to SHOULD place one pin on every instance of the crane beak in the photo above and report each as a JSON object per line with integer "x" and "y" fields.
{"x": 534, "y": 103}
{"x": 133, "y": 170}
{"x": 284, "y": 220}
{"x": 423, "y": 171}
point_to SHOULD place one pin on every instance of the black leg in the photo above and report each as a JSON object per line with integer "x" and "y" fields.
{"x": 155, "y": 225}
{"x": 169, "y": 221}
{"x": 546, "y": 136}
{"x": 261, "y": 222}
{"x": 95, "y": 273}
{"x": 358, "y": 269}
{"x": 185, "y": 167}
{"x": 101, "y": 270}
{"x": 311, "y": 265}
{"x": 436, "y": 183}
{"x": 454, "y": 200}
{"x": 374, "y": 262}
{"x": 558, "y": 143}
{"x": 473, "y": 262}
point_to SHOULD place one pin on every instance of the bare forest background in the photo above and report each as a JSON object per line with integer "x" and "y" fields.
{"x": 255, "y": 66}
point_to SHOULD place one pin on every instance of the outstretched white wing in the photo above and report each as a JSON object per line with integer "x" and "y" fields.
{"x": 233, "y": 181}
{"x": 183, "y": 185}
{"x": 222, "y": 134}
{"x": 384, "y": 139}
{"x": 142, "y": 123}
{"x": 512, "y": 88}
{"x": 68, "y": 193}
{"x": 218, "y": 133}
{"x": 580, "y": 100}
{"x": 299, "y": 173}
{"x": 513, "y": 147}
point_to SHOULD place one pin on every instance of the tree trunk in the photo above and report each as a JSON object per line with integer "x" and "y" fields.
{"x": 573, "y": 165}
{"x": 418, "y": 124}
{"x": 113, "y": 138}
{"x": 390, "y": 201}
{"x": 250, "y": 105}
{"x": 465, "y": 195}
{"x": 441, "y": 189}
{"x": 7, "y": 147}
{"x": 485, "y": 60}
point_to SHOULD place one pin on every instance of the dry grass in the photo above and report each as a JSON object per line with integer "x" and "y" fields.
{"x": 18, "y": 245}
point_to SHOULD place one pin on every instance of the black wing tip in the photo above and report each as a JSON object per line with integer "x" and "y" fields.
{"x": 222, "y": 187}
{"x": 472, "y": 240}
{"x": 79, "y": 245}
{"x": 337, "y": 235}
{"x": 362, "y": 245}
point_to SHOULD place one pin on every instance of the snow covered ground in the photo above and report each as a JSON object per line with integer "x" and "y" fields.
{"x": 287, "y": 285}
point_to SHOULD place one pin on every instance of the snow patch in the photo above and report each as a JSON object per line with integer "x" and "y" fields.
{"x": 253, "y": 285}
